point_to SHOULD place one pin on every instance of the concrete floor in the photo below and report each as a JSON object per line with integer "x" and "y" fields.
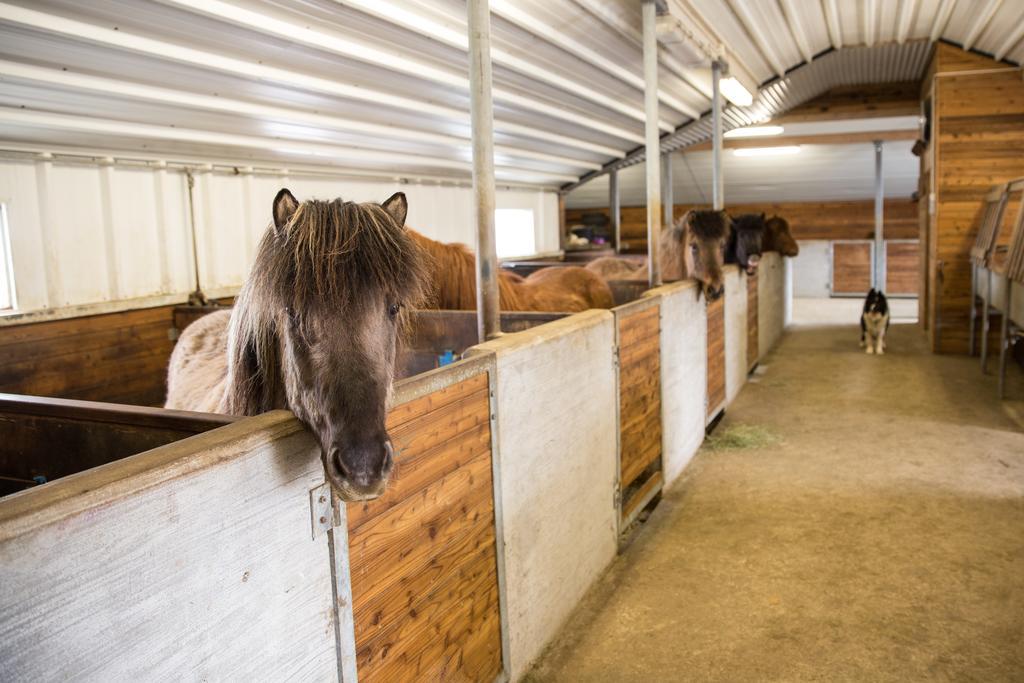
{"x": 880, "y": 539}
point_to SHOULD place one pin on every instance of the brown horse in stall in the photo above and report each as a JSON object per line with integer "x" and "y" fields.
{"x": 778, "y": 238}
{"x": 452, "y": 283}
{"x": 313, "y": 330}
{"x": 693, "y": 247}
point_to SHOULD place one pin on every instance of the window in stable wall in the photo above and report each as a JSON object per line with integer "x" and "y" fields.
{"x": 514, "y": 232}
{"x": 7, "y": 302}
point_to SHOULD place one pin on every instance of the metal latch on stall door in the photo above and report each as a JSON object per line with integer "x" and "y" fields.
{"x": 321, "y": 510}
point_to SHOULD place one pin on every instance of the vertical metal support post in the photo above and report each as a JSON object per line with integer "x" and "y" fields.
{"x": 482, "y": 111}
{"x": 1004, "y": 337}
{"x": 985, "y": 320}
{"x": 718, "y": 183}
{"x": 880, "y": 265}
{"x": 971, "y": 344}
{"x": 615, "y": 208}
{"x": 666, "y": 189}
{"x": 652, "y": 138}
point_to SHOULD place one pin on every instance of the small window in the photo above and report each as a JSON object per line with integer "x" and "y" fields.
{"x": 6, "y": 271}
{"x": 514, "y": 233}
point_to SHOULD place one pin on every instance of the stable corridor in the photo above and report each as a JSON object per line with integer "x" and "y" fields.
{"x": 854, "y": 518}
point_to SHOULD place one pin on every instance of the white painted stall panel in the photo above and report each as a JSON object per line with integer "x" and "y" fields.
{"x": 684, "y": 328}
{"x": 735, "y": 332}
{"x": 77, "y": 235}
{"x": 812, "y": 269}
{"x": 19, "y": 194}
{"x": 557, "y": 427}
{"x": 771, "y": 295}
{"x": 191, "y": 562}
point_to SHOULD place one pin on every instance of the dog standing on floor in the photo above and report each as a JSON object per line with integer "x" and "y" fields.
{"x": 874, "y": 322}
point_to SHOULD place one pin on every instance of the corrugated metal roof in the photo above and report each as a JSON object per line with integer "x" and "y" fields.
{"x": 380, "y": 86}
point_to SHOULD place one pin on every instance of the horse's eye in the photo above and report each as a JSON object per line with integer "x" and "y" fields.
{"x": 693, "y": 248}
{"x": 393, "y": 311}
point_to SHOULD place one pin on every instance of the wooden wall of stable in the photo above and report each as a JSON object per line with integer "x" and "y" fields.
{"x": 113, "y": 357}
{"x": 977, "y": 141}
{"x": 837, "y": 220}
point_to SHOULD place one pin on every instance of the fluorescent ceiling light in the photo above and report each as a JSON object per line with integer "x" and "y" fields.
{"x": 754, "y": 132}
{"x": 735, "y": 92}
{"x": 766, "y": 151}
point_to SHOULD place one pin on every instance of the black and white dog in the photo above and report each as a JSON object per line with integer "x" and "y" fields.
{"x": 874, "y": 322}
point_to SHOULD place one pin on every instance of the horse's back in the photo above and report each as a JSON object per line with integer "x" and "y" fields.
{"x": 614, "y": 268}
{"x": 198, "y": 368}
{"x": 570, "y": 289}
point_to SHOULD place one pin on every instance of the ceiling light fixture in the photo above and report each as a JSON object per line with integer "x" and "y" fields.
{"x": 754, "y": 132}
{"x": 734, "y": 91}
{"x": 766, "y": 151}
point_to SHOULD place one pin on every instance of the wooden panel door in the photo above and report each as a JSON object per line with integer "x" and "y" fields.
{"x": 851, "y": 268}
{"x": 423, "y": 555}
{"x": 639, "y": 408}
{"x": 902, "y": 267}
{"x": 716, "y": 357}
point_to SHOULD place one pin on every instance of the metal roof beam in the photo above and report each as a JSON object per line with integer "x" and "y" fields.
{"x": 509, "y": 12}
{"x": 793, "y": 21}
{"x": 1015, "y": 37}
{"x": 907, "y": 9}
{"x": 870, "y": 20}
{"x": 981, "y": 22}
{"x": 364, "y": 52}
{"x": 835, "y": 32}
{"x": 209, "y": 60}
{"x": 746, "y": 18}
{"x": 350, "y": 156}
{"x": 941, "y": 19}
{"x": 136, "y": 91}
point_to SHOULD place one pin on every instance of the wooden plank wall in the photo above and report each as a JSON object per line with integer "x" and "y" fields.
{"x": 423, "y": 556}
{"x": 114, "y": 357}
{"x": 978, "y": 141}
{"x": 752, "y": 332}
{"x": 716, "y": 356}
{"x": 902, "y": 267}
{"x": 807, "y": 220}
{"x": 851, "y": 267}
{"x": 639, "y": 404}
{"x": 858, "y": 102}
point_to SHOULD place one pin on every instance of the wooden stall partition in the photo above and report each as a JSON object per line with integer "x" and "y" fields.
{"x": 423, "y": 557}
{"x": 118, "y": 357}
{"x": 45, "y": 439}
{"x": 753, "y": 355}
{"x": 716, "y": 358}
{"x": 736, "y": 333}
{"x": 902, "y": 267}
{"x": 683, "y": 374}
{"x": 638, "y": 340}
{"x": 197, "y": 560}
{"x": 852, "y": 263}
{"x": 556, "y": 432}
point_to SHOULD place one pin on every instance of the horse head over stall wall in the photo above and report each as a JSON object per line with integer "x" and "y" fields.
{"x": 746, "y": 241}
{"x": 314, "y": 330}
{"x": 778, "y": 238}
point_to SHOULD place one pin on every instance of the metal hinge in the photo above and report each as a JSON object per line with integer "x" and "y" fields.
{"x": 321, "y": 510}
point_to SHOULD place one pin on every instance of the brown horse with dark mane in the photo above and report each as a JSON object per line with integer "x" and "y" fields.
{"x": 452, "y": 283}
{"x": 313, "y": 330}
{"x": 778, "y": 238}
{"x": 693, "y": 247}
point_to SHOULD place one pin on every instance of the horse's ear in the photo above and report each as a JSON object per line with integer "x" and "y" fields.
{"x": 285, "y": 206}
{"x": 397, "y": 206}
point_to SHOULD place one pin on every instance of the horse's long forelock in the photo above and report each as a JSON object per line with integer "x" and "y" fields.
{"x": 335, "y": 254}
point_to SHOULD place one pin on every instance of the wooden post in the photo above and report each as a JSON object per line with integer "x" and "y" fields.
{"x": 482, "y": 110}
{"x": 652, "y": 135}
{"x": 666, "y": 189}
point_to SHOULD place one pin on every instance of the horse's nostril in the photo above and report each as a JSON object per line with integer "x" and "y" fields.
{"x": 389, "y": 458}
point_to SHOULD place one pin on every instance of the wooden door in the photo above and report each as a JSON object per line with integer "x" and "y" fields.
{"x": 716, "y": 357}
{"x": 902, "y": 267}
{"x": 851, "y": 268}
